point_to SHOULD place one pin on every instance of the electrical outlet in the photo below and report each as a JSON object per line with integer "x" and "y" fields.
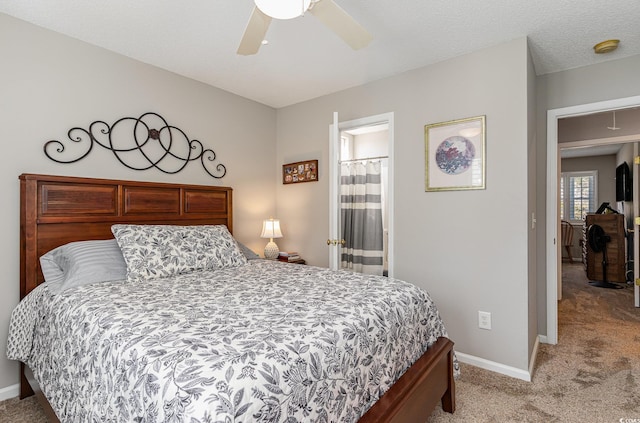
{"x": 484, "y": 320}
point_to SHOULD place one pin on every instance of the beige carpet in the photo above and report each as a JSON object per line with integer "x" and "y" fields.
{"x": 25, "y": 411}
{"x": 591, "y": 376}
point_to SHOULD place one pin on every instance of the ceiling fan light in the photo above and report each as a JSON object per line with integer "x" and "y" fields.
{"x": 283, "y": 9}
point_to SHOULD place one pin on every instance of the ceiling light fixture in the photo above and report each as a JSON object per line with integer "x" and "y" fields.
{"x": 606, "y": 46}
{"x": 283, "y": 9}
{"x": 326, "y": 11}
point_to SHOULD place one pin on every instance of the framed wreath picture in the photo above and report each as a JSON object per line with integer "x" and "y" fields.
{"x": 293, "y": 173}
{"x": 455, "y": 155}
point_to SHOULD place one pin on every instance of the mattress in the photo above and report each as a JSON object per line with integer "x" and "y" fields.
{"x": 266, "y": 342}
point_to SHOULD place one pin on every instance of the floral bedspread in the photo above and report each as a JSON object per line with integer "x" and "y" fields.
{"x": 264, "y": 342}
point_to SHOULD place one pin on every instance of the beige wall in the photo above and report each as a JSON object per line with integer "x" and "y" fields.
{"x": 50, "y": 83}
{"x": 606, "y": 167}
{"x": 467, "y": 248}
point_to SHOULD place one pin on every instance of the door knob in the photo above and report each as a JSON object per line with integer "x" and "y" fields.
{"x": 336, "y": 242}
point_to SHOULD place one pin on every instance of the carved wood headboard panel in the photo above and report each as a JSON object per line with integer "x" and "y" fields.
{"x": 55, "y": 210}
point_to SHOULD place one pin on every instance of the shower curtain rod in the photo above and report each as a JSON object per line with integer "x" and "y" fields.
{"x": 364, "y": 158}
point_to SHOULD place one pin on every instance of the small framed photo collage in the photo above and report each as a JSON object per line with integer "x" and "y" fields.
{"x": 293, "y": 173}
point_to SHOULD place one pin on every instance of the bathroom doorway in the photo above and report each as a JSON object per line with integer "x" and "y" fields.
{"x": 362, "y": 150}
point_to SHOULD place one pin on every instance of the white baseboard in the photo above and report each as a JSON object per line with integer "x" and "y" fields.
{"x": 10, "y": 392}
{"x": 494, "y": 367}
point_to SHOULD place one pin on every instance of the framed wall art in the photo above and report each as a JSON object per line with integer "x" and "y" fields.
{"x": 297, "y": 172}
{"x": 455, "y": 155}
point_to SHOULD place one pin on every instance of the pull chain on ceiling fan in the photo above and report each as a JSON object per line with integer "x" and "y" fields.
{"x": 326, "y": 11}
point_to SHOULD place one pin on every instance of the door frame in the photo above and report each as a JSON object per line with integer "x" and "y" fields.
{"x": 334, "y": 184}
{"x": 552, "y": 210}
{"x": 636, "y": 235}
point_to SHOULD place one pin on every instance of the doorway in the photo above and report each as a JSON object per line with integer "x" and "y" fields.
{"x": 553, "y": 253}
{"x": 359, "y": 144}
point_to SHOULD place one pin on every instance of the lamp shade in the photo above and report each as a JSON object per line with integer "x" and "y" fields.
{"x": 271, "y": 229}
{"x": 283, "y": 9}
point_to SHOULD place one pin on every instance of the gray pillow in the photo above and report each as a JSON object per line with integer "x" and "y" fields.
{"x": 248, "y": 253}
{"x": 82, "y": 263}
{"x": 160, "y": 251}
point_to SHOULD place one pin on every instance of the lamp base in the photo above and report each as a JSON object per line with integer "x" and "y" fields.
{"x": 271, "y": 251}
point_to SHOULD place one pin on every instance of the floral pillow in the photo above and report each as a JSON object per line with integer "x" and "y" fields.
{"x": 158, "y": 251}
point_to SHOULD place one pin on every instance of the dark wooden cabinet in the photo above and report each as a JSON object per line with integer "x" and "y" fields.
{"x": 613, "y": 226}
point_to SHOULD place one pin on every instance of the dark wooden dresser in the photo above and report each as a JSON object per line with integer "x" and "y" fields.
{"x": 613, "y": 226}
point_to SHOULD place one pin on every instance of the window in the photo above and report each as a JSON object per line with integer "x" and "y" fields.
{"x": 578, "y": 195}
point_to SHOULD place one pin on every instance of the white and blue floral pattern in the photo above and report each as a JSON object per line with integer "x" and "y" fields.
{"x": 160, "y": 251}
{"x": 263, "y": 342}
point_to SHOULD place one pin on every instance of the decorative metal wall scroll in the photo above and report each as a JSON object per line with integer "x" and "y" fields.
{"x": 138, "y": 143}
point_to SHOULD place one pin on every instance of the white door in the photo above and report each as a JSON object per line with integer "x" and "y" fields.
{"x": 335, "y": 237}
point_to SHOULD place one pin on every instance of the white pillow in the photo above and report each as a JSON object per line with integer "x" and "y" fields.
{"x": 81, "y": 263}
{"x": 158, "y": 251}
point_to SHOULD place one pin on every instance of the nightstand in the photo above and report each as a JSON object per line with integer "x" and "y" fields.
{"x": 299, "y": 261}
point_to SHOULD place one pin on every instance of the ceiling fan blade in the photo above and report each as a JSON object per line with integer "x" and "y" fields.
{"x": 339, "y": 21}
{"x": 254, "y": 33}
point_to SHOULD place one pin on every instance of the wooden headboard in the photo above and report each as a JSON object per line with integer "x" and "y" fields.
{"x": 55, "y": 210}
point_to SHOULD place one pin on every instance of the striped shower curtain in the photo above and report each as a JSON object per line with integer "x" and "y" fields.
{"x": 361, "y": 217}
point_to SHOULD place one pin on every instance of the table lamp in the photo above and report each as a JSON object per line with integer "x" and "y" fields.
{"x": 271, "y": 229}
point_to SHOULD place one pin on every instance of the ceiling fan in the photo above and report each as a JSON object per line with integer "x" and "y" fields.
{"x": 614, "y": 127}
{"x": 327, "y": 11}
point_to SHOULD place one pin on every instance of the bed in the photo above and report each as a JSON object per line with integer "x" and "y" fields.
{"x": 162, "y": 360}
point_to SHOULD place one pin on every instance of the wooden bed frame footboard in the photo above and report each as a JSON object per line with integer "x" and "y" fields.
{"x": 55, "y": 210}
{"x": 415, "y": 395}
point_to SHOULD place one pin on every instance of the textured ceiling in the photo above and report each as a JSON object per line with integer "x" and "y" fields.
{"x": 304, "y": 60}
